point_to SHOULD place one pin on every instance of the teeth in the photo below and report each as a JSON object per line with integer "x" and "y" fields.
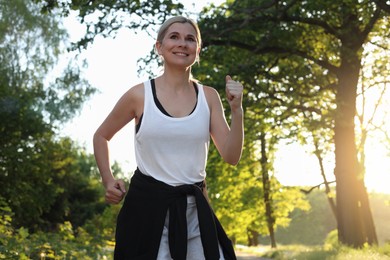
{"x": 181, "y": 54}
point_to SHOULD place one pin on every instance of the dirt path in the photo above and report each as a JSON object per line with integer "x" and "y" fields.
{"x": 249, "y": 258}
{"x": 246, "y": 256}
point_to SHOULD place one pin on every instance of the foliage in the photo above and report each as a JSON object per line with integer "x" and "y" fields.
{"x": 223, "y": 187}
{"x": 31, "y": 48}
{"x": 317, "y": 226}
{"x": 331, "y": 241}
{"x": 105, "y": 18}
{"x": 67, "y": 243}
{"x": 303, "y": 64}
{"x": 39, "y": 173}
{"x": 266, "y": 116}
{"x": 372, "y": 100}
{"x": 309, "y": 227}
{"x": 237, "y": 192}
{"x": 236, "y": 196}
{"x": 56, "y": 188}
{"x": 287, "y": 62}
{"x": 381, "y": 211}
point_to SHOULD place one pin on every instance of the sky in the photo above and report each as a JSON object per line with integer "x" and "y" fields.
{"x": 113, "y": 70}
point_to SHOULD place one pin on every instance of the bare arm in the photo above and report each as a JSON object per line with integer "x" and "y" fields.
{"x": 228, "y": 139}
{"x": 126, "y": 109}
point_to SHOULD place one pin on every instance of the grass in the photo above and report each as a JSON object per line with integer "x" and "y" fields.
{"x": 301, "y": 252}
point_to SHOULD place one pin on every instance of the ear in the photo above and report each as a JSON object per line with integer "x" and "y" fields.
{"x": 158, "y": 47}
{"x": 197, "y": 58}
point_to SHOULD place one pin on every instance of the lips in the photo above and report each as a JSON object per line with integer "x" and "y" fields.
{"x": 181, "y": 54}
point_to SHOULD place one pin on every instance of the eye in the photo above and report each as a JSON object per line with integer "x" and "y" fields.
{"x": 191, "y": 39}
{"x": 173, "y": 36}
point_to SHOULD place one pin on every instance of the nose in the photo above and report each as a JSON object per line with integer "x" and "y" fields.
{"x": 182, "y": 43}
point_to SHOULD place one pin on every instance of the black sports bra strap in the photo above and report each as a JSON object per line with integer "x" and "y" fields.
{"x": 159, "y": 105}
{"x": 156, "y": 101}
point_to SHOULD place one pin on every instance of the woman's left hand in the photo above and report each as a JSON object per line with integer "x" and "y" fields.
{"x": 234, "y": 91}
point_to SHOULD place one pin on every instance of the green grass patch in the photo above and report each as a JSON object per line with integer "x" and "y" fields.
{"x": 302, "y": 252}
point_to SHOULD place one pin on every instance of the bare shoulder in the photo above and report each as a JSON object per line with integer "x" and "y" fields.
{"x": 133, "y": 97}
{"x": 135, "y": 93}
{"x": 131, "y": 103}
{"x": 210, "y": 93}
{"x": 212, "y": 96}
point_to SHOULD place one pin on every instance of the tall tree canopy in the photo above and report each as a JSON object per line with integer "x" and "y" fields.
{"x": 33, "y": 103}
{"x": 327, "y": 38}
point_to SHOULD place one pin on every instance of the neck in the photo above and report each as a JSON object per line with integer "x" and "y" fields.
{"x": 176, "y": 79}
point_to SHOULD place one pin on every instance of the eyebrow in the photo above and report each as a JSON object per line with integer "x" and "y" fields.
{"x": 190, "y": 34}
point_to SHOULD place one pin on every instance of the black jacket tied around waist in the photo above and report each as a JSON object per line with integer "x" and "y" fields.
{"x": 141, "y": 221}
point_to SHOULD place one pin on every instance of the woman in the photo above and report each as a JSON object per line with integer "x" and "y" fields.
{"x": 165, "y": 214}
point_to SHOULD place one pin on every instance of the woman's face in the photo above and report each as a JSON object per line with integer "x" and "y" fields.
{"x": 179, "y": 46}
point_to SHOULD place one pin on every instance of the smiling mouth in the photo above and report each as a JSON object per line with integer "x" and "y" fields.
{"x": 181, "y": 54}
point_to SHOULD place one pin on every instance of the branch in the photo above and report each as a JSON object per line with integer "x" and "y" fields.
{"x": 371, "y": 23}
{"x": 282, "y": 102}
{"x": 265, "y": 6}
{"x": 281, "y": 14}
{"x": 379, "y": 45}
{"x": 311, "y": 21}
{"x": 314, "y": 187}
{"x": 383, "y": 5}
{"x": 268, "y": 49}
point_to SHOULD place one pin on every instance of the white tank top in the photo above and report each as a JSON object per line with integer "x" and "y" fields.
{"x": 173, "y": 150}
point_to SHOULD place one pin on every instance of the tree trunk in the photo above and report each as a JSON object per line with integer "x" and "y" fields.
{"x": 331, "y": 201}
{"x": 253, "y": 238}
{"x": 354, "y": 218}
{"x": 267, "y": 191}
{"x": 370, "y": 232}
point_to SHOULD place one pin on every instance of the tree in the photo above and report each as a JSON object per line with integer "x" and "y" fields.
{"x": 330, "y": 37}
{"x": 105, "y": 18}
{"x": 269, "y": 116}
{"x": 32, "y": 107}
{"x": 247, "y": 198}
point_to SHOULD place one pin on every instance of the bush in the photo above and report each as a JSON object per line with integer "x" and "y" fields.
{"x": 67, "y": 243}
{"x": 332, "y": 240}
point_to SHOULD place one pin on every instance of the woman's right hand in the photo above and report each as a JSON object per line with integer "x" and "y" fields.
{"x": 115, "y": 191}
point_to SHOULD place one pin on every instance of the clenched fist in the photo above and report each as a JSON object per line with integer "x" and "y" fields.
{"x": 234, "y": 91}
{"x": 115, "y": 191}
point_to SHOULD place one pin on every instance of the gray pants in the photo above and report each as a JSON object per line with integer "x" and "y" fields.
{"x": 194, "y": 244}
